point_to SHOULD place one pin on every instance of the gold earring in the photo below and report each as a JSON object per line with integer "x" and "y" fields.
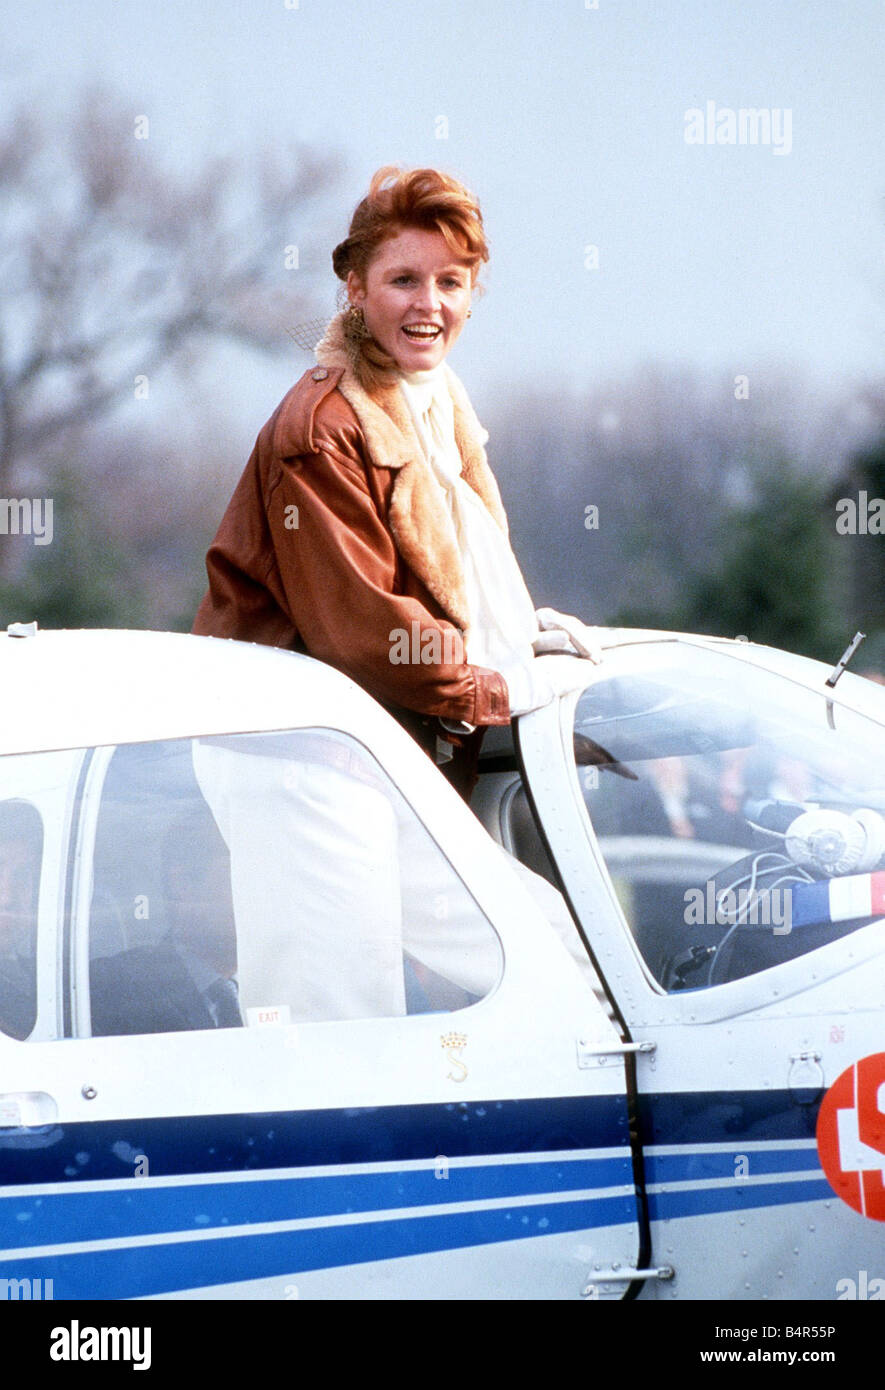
{"x": 469, "y": 313}
{"x": 355, "y": 321}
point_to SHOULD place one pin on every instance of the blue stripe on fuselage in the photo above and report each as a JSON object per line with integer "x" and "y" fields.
{"x": 737, "y": 1196}
{"x": 727, "y": 1117}
{"x": 178, "y": 1265}
{"x": 689, "y": 1165}
{"x": 145, "y": 1270}
{"x": 137, "y": 1208}
{"x": 189, "y": 1144}
{"x": 223, "y": 1144}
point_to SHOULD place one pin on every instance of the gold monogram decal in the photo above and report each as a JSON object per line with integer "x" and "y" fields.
{"x": 452, "y": 1044}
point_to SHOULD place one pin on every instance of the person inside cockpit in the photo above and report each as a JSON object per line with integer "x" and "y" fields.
{"x": 187, "y": 979}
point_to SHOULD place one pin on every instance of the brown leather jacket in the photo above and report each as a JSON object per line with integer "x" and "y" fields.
{"x": 336, "y": 543}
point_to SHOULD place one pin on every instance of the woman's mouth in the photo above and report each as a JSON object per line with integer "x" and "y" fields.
{"x": 422, "y": 332}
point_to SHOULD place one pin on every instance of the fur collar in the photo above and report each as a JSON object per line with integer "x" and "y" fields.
{"x": 419, "y": 519}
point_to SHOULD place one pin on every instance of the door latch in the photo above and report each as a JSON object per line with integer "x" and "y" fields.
{"x": 592, "y": 1054}
{"x": 617, "y": 1275}
{"x": 806, "y": 1078}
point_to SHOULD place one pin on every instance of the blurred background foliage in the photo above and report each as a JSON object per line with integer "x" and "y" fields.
{"x": 715, "y": 506}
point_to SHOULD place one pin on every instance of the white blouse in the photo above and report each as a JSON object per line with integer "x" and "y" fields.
{"x": 502, "y": 615}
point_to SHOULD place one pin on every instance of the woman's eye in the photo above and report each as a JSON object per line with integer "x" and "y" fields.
{"x": 402, "y": 280}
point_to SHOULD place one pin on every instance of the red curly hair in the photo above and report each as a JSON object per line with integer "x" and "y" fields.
{"x": 424, "y": 198}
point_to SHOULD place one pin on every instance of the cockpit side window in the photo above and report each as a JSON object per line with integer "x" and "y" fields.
{"x": 271, "y": 878}
{"x": 21, "y": 857}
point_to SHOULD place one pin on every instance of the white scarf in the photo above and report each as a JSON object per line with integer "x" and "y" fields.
{"x": 502, "y": 615}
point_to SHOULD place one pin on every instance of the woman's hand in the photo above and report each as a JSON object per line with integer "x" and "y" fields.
{"x": 560, "y": 629}
{"x": 533, "y": 684}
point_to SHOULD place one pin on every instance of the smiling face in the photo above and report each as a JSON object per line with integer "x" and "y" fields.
{"x": 415, "y": 298}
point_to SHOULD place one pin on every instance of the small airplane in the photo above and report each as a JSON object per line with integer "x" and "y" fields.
{"x": 281, "y": 1017}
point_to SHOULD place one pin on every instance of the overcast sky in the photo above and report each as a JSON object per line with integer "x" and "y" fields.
{"x": 569, "y": 122}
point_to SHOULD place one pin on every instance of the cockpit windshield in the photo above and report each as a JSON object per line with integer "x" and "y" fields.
{"x": 741, "y": 814}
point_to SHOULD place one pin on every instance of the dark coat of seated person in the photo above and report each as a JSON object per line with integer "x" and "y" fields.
{"x": 187, "y": 980}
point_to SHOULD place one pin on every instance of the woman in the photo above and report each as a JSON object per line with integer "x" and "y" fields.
{"x": 367, "y": 529}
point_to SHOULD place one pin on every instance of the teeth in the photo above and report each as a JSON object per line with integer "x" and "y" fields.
{"x": 414, "y": 331}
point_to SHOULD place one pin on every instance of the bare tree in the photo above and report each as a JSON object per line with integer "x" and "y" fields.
{"x": 114, "y": 267}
